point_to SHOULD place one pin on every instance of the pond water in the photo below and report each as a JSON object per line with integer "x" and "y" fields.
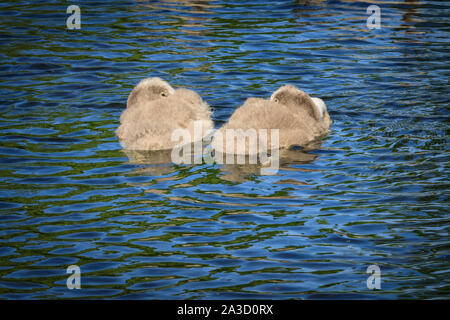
{"x": 375, "y": 193}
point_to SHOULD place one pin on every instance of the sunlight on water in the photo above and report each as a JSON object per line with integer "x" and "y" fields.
{"x": 139, "y": 227}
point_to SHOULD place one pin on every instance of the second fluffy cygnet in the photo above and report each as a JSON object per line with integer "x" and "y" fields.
{"x": 299, "y": 118}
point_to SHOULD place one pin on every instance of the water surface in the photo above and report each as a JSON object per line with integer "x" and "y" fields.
{"x": 375, "y": 192}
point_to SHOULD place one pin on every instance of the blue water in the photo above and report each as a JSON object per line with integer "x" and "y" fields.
{"x": 375, "y": 193}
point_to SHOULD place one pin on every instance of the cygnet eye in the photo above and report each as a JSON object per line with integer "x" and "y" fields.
{"x": 276, "y": 100}
{"x": 163, "y": 94}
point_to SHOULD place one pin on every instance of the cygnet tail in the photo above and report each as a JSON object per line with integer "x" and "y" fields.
{"x": 320, "y": 106}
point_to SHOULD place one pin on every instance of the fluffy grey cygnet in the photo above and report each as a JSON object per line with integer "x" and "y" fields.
{"x": 301, "y": 120}
{"x": 155, "y": 110}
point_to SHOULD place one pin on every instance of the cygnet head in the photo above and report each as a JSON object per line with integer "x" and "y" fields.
{"x": 291, "y": 96}
{"x": 147, "y": 90}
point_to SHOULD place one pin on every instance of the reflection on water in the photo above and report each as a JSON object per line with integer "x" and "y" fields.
{"x": 375, "y": 191}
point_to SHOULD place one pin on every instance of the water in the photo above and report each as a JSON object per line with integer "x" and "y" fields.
{"x": 376, "y": 192}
